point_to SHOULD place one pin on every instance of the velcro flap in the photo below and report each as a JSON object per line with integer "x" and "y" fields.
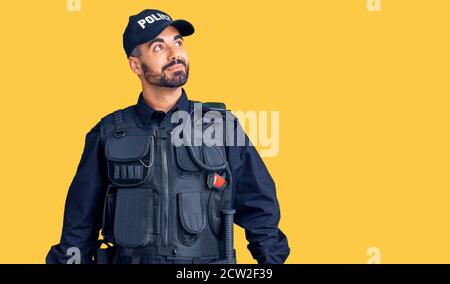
{"x": 184, "y": 159}
{"x": 191, "y": 210}
{"x": 214, "y": 156}
{"x": 127, "y": 148}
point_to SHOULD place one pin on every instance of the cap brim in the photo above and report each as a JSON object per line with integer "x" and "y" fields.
{"x": 184, "y": 27}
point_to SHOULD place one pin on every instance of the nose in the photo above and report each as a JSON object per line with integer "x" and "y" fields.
{"x": 172, "y": 53}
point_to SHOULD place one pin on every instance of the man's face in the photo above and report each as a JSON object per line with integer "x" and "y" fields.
{"x": 163, "y": 60}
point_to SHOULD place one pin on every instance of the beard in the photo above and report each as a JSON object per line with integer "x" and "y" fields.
{"x": 160, "y": 79}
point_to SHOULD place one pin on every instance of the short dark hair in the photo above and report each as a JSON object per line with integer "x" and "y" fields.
{"x": 136, "y": 52}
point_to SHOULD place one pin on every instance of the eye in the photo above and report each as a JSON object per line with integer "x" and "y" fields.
{"x": 179, "y": 43}
{"x": 158, "y": 47}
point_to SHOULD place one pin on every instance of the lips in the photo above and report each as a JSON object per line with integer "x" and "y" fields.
{"x": 176, "y": 66}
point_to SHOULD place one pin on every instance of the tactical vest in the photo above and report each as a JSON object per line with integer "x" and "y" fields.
{"x": 163, "y": 200}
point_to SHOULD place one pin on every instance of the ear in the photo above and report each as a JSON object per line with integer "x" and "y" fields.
{"x": 135, "y": 65}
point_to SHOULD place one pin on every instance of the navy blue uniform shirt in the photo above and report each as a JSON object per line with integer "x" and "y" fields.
{"x": 255, "y": 201}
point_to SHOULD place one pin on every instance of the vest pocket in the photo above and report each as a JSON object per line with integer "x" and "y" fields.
{"x": 136, "y": 217}
{"x": 130, "y": 159}
{"x": 184, "y": 159}
{"x": 215, "y": 204}
{"x": 192, "y": 217}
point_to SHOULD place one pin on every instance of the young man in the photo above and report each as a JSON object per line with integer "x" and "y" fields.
{"x": 157, "y": 202}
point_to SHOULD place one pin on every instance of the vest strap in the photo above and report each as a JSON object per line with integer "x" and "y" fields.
{"x": 153, "y": 251}
{"x": 119, "y": 124}
{"x": 215, "y": 106}
{"x": 145, "y": 251}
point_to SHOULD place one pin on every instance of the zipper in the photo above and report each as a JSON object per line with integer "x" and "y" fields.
{"x": 155, "y": 217}
{"x": 165, "y": 183}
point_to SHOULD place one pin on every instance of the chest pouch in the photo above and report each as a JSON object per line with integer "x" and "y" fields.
{"x": 130, "y": 159}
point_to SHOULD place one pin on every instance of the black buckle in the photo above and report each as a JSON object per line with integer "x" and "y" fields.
{"x": 119, "y": 133}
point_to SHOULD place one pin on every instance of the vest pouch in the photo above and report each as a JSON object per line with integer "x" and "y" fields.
{"x": 192, "y": 217}
{"x": 184, "y": 159}
{"x": 214, "y": 155}
{"x": 136, "y": 217}
{"x": 216, "y": 203}
{"x": 130, "y": 159}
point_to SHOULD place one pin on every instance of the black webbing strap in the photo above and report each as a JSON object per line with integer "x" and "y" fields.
{"x": 153, "y": 251}
{"x": 215, "y": 106}
{"x": 119, "y": 124}
{"x": 137, "y": 253}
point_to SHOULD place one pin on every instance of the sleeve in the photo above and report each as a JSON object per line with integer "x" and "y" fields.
{"x": 256, "y": 204}
{"x": 84, "y": 205}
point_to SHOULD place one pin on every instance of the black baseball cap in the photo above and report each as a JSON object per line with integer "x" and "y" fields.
{"x": 146, "y": 25}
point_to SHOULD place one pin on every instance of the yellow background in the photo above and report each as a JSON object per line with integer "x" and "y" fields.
{"x": 363, "y": 100}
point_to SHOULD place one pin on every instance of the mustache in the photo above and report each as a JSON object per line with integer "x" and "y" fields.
{"x": 176, "y": 61}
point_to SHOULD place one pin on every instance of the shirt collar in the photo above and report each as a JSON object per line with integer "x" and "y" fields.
{"x": 145, "y": 111}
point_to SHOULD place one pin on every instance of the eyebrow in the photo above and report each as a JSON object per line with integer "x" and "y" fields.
{"x": 158, "y": 39}
{"x": 178, "y": 37}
